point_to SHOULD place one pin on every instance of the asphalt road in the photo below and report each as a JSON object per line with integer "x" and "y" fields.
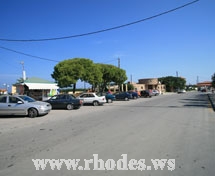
{"x": 180, "y": 127}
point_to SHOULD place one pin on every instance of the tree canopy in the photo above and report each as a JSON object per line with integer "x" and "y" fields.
{"x": 111, "y": 73}
{"x": 173, "y": 83}
{"x": 68, "y": 72}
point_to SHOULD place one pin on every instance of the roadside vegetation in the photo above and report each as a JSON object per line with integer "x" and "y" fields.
{"x": 173, "y": 83}
{"x": 66, "y": 74}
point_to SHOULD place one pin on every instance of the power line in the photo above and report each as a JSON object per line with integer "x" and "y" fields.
{"x": 29, "y": 55}
{"x": 42, "y": 58}
{"x": 100, "y": 31}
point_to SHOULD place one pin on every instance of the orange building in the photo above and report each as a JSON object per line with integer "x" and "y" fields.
{"x": 204, "y": 84}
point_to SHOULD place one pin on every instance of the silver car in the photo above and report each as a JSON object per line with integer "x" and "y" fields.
{"x": 23, "y": 105}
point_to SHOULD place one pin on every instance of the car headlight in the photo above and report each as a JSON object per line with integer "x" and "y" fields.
{"x": 41, "y": 107}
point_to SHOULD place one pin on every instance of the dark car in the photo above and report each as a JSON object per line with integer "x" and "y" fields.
{"x": 146, "y": 94}
{"x": 133, "y": 94}
{"x": 110, "y": 97}
{"x": 123, "y": 96}
{"x": 65, "y": 101}
{"x": 203, "y": 90}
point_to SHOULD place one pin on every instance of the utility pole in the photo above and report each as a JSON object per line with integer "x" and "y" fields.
{"x": 23, "y": 71}
{"x": 22, "y": 63}
{"x": 131, "y": 78}
{"x": 177, "y": 80}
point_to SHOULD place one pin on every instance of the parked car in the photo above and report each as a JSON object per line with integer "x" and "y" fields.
{"x": 155, "y": 92}
{"x": 123, "y": 96}
{"x": 204, "y": 90}
{"x": 23, "y": 105}
{"x": 134, "y": 95}
{"x": 110, "y": 97}
{"x": 65, "y": 101}
{"x": 146, "y": 93}
{"x": 92, "y": 98}
{"x": 181, "y": 91}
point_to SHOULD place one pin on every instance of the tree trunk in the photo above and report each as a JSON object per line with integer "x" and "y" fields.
{"x": 74, "y": 88}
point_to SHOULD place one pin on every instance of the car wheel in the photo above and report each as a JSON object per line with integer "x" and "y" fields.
{"x": 135, "y": 97}
{"x": 32, "y": 113}
{"x": 109, "y": 101}
{"x": 95, "y": 103}
{"x": 126, "y": 98}
{"x": 69, "y": 107}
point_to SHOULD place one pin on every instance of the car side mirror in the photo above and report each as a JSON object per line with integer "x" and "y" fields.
{"x": 20, "y": 102}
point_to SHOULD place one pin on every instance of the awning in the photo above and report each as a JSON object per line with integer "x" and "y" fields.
{"x": 41, "y": 86}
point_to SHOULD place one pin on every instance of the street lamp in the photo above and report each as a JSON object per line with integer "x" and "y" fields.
{"x": 6, "y": 87}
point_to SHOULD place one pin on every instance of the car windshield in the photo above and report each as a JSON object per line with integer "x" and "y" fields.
{"x": 26, "y": 98}
{"x": 72, "y": 96}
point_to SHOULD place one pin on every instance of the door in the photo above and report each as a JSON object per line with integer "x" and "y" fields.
{"x": 55, "y": 101}
{"x": 89, "y": 99}
{"x": 83, "y": 97}
{"x": 3, "y": 105}
{"x": 16, "y": 106}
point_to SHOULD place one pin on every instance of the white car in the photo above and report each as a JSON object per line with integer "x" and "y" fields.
{"x": 92, "y": 98}
{"x": 155, "y": 92}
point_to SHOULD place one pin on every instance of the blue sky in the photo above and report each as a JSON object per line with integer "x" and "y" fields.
{"x": 181, "y": 41}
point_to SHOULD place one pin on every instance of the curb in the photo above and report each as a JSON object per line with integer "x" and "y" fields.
{"x": 212, "y": 100}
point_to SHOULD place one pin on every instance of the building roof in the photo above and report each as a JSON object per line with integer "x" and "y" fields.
{"x": 37, "y": 80}
{"x": 39, "y": 84}
{"x": 205, "y": 83}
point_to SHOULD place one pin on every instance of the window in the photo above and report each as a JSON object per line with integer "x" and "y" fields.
{"x": 72, "y": 97}
{"x": 62, "y": 97}
{"x": 54, "y": 97}
{"x": 3, "y": 99}
{"x": 91, "y": 95}
{"x": 84, "y": 95}
{"x": 13, "y": 100}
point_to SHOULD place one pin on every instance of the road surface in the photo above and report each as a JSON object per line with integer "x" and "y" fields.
{"x": 178, "y": 127}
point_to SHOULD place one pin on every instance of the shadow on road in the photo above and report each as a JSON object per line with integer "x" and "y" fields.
{"x": 11, "y": 117}
{"x": 17, "y": 116}
{"x": 200, "y": 100}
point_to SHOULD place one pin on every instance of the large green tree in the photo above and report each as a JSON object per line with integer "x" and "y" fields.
{"x": 111, "y": 73}
{"x": 91, "y": 72}
{"x": 68, "y": 72}
{"x": 173, "y": 83}
{"x": 93, "y": 76}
